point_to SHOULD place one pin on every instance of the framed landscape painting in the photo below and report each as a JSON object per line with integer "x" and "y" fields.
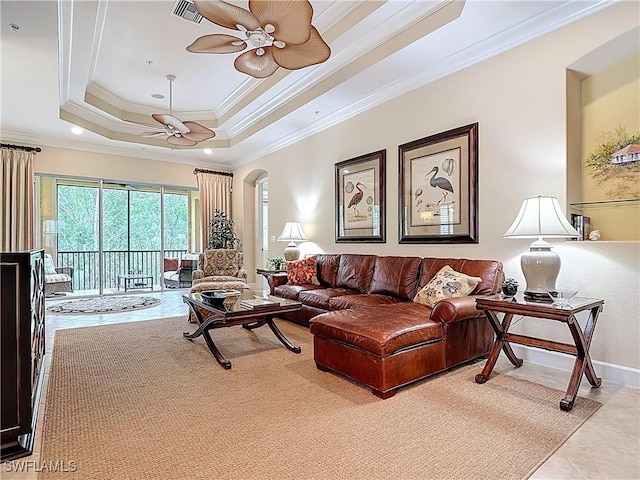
{"x": 360, "y": 201}
{"x": 438, "y": 194}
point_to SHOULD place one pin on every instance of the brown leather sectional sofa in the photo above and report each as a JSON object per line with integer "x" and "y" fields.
{"x": 366, "y": 326}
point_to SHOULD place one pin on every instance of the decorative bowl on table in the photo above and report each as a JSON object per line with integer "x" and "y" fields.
{"x": 220, "y": 298}
{"x": 562, "y": 298}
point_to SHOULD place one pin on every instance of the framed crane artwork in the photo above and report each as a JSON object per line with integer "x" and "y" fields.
{"x": 360, "y": 201}
{"x": 438, "y": 196}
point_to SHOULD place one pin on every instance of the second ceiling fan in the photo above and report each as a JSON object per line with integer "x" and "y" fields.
{"x": 183, "y": 134}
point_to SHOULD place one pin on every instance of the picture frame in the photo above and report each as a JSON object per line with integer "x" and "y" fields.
{"x": 438, "y": 188}
{"x": 360, "y": 215}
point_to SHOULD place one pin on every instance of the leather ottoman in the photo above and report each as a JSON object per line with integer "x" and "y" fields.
{"x": 384, "y": 347}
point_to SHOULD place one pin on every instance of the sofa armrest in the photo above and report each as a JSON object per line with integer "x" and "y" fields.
{"x": 67, "y": 270}
{"x": 275, "y": 279}
{"x": 455, "y": 309}
{"x": 242, "y": 274}
{"x": 197, "y": 275}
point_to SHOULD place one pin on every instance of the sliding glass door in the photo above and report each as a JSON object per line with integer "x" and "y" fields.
{"x": 78, "y": 232}
{"x": 113, "y": 235}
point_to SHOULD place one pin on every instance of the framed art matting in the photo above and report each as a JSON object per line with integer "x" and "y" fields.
{"x": 360, "y": 202}
{"x": 438, "y": 191}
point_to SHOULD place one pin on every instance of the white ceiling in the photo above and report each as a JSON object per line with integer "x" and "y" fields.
{"x": 96, "y": 64}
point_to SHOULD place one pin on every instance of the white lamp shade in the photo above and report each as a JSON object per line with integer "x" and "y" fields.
{"x": 540, "y": 217}
{"x": 292, "y": 233}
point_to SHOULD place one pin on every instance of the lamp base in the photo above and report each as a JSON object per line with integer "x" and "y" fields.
{"x": 292, "y": 252}
{"x": 540, "y": 267}
{"x": 539, "y": 297}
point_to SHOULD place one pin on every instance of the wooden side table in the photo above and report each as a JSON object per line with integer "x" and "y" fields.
{"x": 510, "y": 306}
{"x": 268, "y": 271}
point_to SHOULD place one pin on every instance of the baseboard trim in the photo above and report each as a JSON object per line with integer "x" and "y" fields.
{"x": 618, "y": 374}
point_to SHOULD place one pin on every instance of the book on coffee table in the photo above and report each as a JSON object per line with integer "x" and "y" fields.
{"x": 258, "y": 303}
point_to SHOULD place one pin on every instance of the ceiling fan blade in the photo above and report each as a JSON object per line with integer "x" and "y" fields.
{"x": 258, "y": 66}
{"x": 170, "y": 121}
{"x": 292, "y": 18}
{"x": 227, "y": 15}
{"x": 293, "y": 57}
{"x": 181, "y": 141}
{"x": 197, "y": 132}
{"x": 216, "y": 43}
{"x": 152, "y": 134}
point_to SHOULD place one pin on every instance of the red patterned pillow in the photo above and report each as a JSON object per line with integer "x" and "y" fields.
{"x": 302, "y": 271}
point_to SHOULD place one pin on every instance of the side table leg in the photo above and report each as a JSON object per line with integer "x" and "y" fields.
{"x": 583, "y": 363}
{"x": 500, "y": 329}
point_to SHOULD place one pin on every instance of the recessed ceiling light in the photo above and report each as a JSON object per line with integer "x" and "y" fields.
{"x": 159, "y": 96}
{"x": 208, "y": 151}
{"x": 76, "y": 130}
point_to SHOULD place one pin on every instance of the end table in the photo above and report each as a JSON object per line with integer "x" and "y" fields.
{"x": 518, "y": 305}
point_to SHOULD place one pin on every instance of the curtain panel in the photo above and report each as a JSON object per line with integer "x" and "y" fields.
{"x": 215, "y": 194}
{"x": 16, "y": 194}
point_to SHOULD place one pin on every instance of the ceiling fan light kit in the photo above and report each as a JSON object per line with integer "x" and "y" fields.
{"x": 278, "y": 32}
{"x": 178, "y": 133}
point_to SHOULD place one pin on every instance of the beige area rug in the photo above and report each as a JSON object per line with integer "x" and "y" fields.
{"x": 138, "y": 401}
{"x": 118, "y": 304}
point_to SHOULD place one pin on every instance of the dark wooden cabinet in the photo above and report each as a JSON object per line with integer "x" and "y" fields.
{"x": 22, "y": 316}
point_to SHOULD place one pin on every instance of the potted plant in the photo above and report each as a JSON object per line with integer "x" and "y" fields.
{"x": 277, "y": 263}
{"x": 221, "y": 234}
{"x": 509, "y": 287}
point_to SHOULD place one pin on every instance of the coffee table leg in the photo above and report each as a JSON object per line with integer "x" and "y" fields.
{"x": 285, "y": 341}
{"x": 203, "y": 329}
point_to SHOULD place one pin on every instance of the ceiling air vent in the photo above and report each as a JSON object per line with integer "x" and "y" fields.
{"x": 187, "y": 10}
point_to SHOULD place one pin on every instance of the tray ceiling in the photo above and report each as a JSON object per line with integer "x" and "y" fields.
{"x": 99, "y": 64}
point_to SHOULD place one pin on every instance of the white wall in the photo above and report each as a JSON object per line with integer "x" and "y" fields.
{"x": 519, "y": 100}
{"x": 78, "y": 163}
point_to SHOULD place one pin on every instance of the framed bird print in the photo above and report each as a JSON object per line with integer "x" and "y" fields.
{"x": 360, "y": 201}
{"x": 438, "y": 194}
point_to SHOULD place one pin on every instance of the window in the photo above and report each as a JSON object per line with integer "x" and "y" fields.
{"x": 105, "y": 229}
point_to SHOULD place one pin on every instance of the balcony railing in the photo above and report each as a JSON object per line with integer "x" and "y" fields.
{"x": 86, "y": 266}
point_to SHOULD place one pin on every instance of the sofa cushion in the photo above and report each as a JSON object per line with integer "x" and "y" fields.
{"x": 380, "y": 330}
{"x": 172, "y": 275}
{"x": 355, "y": 272}
{"x": 320, "y": 298}
{"x": 57, "y": 277}
{"x": 327, "y": 269}
{"x": 292, "y": 291}
{"x": 490, "y": 271}
{"x": 360, "y": 300}
{"x": 446, "y": 283}
{"x": 396, "y": 276}
{"x": 302, "y": 271}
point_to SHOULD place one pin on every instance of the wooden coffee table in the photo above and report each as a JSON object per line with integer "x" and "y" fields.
{"x": 209, "y": 317}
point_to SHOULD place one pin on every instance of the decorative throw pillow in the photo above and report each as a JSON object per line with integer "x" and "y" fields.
{"x": 170, "y": 264}
{"x": 302, "y": 271}
{"x": 446, "y": 283}
{"x": 49, "y": 267}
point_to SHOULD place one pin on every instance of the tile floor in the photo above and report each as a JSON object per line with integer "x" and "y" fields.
{"x": 607, "y": 446}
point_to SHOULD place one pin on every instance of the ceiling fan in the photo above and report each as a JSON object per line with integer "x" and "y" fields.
{"x": 185, "y": 134}
{"x": 279, "y": 33}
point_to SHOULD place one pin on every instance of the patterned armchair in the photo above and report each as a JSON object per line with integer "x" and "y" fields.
{"x": 220, "y": 265}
